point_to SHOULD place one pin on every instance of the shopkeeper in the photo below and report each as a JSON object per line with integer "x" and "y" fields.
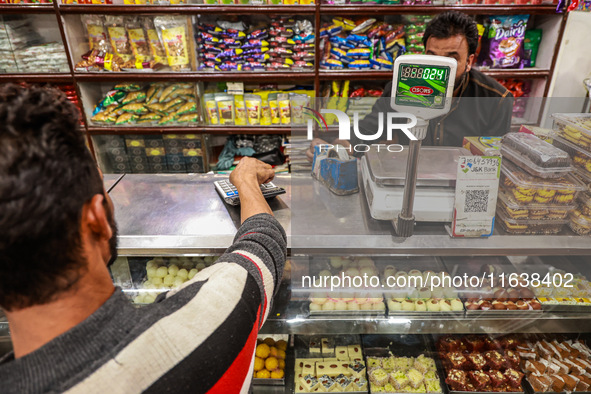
{"x": 483, "y": 106}
{"x": 72, "y": 330}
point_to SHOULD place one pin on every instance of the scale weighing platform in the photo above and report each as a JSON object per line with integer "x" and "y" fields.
{"x": 383, "y": 176}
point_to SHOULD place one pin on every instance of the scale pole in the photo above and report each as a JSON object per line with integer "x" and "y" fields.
{"x": 404, "y": 225}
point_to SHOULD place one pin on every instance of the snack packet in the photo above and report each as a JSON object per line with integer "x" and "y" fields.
{"x": 172, "y": 30}
{"x": 505, "y": 38}
{"x": 118, "y": 36}
{"x": 137, "y": 39}
{"x": 530, "y": 47}
{"x": 156, "y": 48}
{"x": 98, "y": 38}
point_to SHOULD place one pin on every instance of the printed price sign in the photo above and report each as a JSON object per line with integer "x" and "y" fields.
{"x": 477, "y": 186}
{"x": 235, "y": 87}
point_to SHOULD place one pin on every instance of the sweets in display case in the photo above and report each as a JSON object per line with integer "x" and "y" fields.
{"x": 330, "y": 364}
{"x": 554, "y": 364}
{"x": 348, "y": 300}
{"x": 161, "y": 274}
{"x": 281, "y": 44}
{"x": 403, "y": 374}
{"x": 269, "y": 361}
{"x": 478, "y": 363}
{"x": 580, "y": 218}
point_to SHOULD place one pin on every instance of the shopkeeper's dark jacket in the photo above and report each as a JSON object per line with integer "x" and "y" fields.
{"x": 483, "y": 108}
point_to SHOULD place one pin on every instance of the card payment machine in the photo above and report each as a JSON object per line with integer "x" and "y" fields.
{"x": 422, "y": 86}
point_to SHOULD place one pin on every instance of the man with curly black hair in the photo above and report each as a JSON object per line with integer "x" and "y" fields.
{"x": 482, "y": 106}
{"x": 71, "y": 329}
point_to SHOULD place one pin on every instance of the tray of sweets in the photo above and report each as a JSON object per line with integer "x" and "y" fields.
{"x": 575, "y": 128}
{"x": 330, "y": 363}
{"x": 562, "y": 286}
{"x": 480, "y": 364}
{"x": 401, "y": 364}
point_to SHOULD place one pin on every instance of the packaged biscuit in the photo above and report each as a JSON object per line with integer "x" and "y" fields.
{"x": 118, "y": 36}
{"x": 172, "y": 31}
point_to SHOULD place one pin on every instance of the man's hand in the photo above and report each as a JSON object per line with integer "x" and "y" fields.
{"x": 251, "y": 170}
{"x": 247, "y": 176}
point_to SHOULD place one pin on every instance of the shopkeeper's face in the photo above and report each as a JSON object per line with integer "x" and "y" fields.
{"x": 455, "y": 47}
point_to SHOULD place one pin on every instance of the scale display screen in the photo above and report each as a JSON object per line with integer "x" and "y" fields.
{"x": 421, "y": 85}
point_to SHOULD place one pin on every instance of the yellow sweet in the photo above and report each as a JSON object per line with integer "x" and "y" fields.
{"x": 259, "y": 364}
{"x": 271, "y": 363}
{"x": 263, "y": 350}
{"x": 269, "y": 341}
{"x": 281, "y": 364}
{"x": 546, "y": 193}
{"x": 522, "y": 197}
{"x": 278, "y": 374}
{"x": 273, "y": 351}
{"x": 281, "y": 344}
{"x": 525, "y": 190}
{"x": 281, "y": 354}
{"x": 263, "y": 374}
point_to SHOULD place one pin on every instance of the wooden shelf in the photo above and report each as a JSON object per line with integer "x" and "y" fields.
{"x": 193, "y": 76}
{"x": 200, "y": 129}
{"x": 422, "y": 9}
{"x": 27, "y": 8}
{"x": 189, "y": 9}
{"x": 37, "y": 78}
{"x": 527, "y": 73}
{"x": 518, "y": 73}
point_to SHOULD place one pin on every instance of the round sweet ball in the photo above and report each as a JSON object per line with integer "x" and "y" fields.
{"x": 156, "y": 281}
{"x": 352, "y": 306}
{"x": 168, "y": 280}
{"x": 178, "y": 281}
{"x": 151, "y": 264}
{"x": 208, "y": 260}
{"x": 149, "y": 298}
{"x": 340, "y": 306}
{"x": 161, "y": 272}
{"x": 192, "y": 273}
{"x": 200, "y": 266}
{"x": 138, "y": 299}
{"x": 328, "y": 306}
{"x": 183, "y": 274}
{"x": 148, "y": 285}
{"x": 173, "y": 269}
{"x": 151, "y": 272}
{"x": 315, "y": 307}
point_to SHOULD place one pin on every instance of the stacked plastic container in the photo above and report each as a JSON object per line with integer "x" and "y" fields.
{"x": 573, "y": 135}
{"x": 537, "y": 193}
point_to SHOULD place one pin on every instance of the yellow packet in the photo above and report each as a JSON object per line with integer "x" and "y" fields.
{"x": 240, "y": 110}
{"x": 265, "y": 113}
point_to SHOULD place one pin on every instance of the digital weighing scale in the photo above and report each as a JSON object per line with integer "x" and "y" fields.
{"x": 422, "y": 85}
{"x": 384, "y": 173}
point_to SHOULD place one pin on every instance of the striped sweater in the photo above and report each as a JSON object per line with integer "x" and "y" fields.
{"x": 198, "y": 338}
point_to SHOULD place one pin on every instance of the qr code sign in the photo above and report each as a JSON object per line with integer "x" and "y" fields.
{"x": 476, "y": 201}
